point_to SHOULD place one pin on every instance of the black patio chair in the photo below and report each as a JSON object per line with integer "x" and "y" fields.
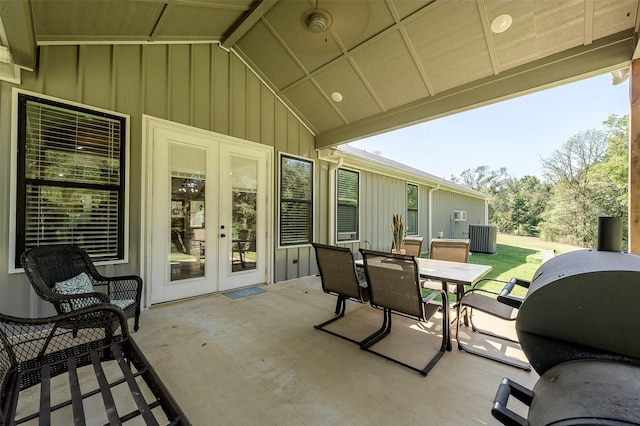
{"x": 66, "y": 276}
{"x": 338, "y": 276}
{"x": 501, "y": 305}
{"x": 394, "y": 286}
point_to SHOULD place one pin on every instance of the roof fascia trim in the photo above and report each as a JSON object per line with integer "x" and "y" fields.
{"x": 333, "y": 156}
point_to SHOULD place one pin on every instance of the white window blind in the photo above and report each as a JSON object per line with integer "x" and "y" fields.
{"x": 71, "y": 183}
{"x": 347, "y": 183}
{"x": 296, "y": 201}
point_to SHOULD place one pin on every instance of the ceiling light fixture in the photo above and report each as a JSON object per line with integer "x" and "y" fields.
{"x": 316, "y": 23}
{"x": 336, "y": 96}
{"x": 316, "y": 20}
{"x": 501, "y": 23}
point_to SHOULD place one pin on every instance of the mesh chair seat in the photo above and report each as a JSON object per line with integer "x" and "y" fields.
{"x": 338, "y": 276}
{"x": 413, "y": 246}
{"x": 490, "y": 306}
{"x": 452, "y": 250}
{"x": 500, "y": 305}
{"x": 394, "y": 286}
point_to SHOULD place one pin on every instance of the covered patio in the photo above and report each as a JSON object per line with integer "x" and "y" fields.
{"x": 261, "y": 72}
{"x": 294, "y": 79}
{"x": 258, "y": 360}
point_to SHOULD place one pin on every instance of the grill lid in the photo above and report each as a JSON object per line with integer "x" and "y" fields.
{"x": 582, "y": 304}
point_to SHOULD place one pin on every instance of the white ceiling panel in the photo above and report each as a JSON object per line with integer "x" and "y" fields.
{"x": 390, "y": 69}
{"x": 451, "y": 45}
{"x": 357, "y": 100}
{"x": 396, "y": 62}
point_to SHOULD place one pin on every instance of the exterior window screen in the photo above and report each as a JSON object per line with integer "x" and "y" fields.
{"x": 70, "y": 178}
{"x": 412, "y": 209}
{"x": 296, "y": 201}
{"x": 347, "y": 183}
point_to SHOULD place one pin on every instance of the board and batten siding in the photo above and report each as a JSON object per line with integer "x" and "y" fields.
{"x": 445, "y": 202}
{"x": 382, "y": 196}
{"x": 200, "y": 85}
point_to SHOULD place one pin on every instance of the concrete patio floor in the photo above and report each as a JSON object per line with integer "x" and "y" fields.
{"x": 258, "y": 360}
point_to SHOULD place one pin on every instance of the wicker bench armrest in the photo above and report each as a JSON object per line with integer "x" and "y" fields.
{"x": 95, "y": 338}
{"x": 33, "y": 339}
{"x": 124, "y": 287}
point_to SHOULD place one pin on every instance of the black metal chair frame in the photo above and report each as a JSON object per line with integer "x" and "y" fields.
{"x": 47, "y": 265}
{"x": 423, "y": 310}
{"x": 34, "y": 350}
{"x": 500, "y": 305}
{"x": 345, "y": 287}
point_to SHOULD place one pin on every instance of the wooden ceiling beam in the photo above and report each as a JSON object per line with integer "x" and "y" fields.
{"x": 260, "y": 8}
{"x": 18, "y": 28}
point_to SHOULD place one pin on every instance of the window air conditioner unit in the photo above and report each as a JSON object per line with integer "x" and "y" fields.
{"x": 460, "y": 215}
{"x": 8, "y": 70}
{"x": 346, "y": 236}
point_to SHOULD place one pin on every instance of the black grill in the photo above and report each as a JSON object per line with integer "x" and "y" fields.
{"x": 578, "y": 326}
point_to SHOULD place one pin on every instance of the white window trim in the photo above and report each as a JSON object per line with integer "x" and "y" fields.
{"x": 13, "y": 181}
{"x": 418, "y": 203}
{"x": 335, "y": 212}
{"x": 313, "y": 198}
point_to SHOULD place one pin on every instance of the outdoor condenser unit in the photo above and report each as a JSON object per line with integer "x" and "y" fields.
{"x": 483, "y": 238}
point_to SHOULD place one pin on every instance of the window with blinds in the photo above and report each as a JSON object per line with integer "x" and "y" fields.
{"x": 412, "y": 209}
{"x": 348, "y": 205}
{"x": 70, "y": 178}
{"x": 296, "y": 201}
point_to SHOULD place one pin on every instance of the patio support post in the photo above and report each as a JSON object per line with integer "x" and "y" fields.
{"x": 634, "y": 158}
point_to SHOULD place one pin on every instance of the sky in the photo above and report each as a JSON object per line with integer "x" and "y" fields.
{"x": 515, "y": 134}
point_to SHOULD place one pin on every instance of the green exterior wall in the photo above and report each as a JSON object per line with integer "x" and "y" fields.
{"x": 199, "y": 85}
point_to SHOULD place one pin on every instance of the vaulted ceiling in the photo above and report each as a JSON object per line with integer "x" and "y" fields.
{"x": 392, "y": 62}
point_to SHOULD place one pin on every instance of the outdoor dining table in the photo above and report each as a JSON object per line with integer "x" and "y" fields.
{"x": 449, "y": 272}
{"x": 453, "y": 272}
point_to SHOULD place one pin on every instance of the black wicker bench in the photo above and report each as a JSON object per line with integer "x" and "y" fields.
{"x": 79, "y": 368}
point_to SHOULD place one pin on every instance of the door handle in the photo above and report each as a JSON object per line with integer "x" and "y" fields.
{"x": 222, "y": 235}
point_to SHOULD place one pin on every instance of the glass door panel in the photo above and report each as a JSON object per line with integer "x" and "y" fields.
{"x": 187, "y": 246}
{"x": 244, "y": 213}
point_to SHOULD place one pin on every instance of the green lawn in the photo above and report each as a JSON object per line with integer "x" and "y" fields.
{"x": 516, "y": 257}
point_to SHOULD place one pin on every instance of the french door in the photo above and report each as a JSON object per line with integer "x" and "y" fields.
{"x": 209, "y": 213}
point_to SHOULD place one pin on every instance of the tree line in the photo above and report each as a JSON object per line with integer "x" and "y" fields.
{"x": 587, "y": 177}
